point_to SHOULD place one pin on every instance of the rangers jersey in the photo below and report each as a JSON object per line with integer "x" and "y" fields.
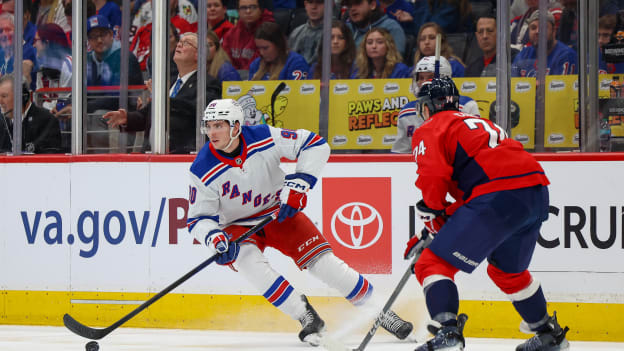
{"x": 244, "y": 189}
{"x": 560, "y": 61}
{"x": 409, "y": 119}
{"x": 295, "y": 68}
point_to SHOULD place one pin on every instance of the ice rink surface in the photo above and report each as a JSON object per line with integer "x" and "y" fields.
{"x": 21, "y": 338}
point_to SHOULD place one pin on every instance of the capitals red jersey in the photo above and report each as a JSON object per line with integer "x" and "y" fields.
{"x": 466, "y": 156}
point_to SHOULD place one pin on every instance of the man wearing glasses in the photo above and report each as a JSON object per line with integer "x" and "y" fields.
{"x": 239, "y": 41}
{"x": 182, "y": 103}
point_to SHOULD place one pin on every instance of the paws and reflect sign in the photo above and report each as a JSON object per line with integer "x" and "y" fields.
{"x": 358, "y": 222}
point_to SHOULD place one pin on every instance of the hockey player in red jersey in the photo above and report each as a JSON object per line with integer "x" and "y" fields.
{"x": 501, "y": 200}
{"x": 236, "y": 181}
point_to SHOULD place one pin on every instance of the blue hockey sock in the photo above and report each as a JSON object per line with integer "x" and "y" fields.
{"x": 442, "y": 297}
{"x": 533, "y": 309}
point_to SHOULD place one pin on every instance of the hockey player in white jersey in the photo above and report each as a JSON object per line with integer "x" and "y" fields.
{"x": 236, "y": 181}
{"x": 409, "y": 119}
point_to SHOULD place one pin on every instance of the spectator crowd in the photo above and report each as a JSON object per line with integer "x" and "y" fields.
{"x": 262, "y": 40}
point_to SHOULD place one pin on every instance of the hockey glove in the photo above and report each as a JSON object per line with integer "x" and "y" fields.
{"x": 293, "y": 196}
{"x": 433, "y": 219}
{"x": 226, "y": 251}
{"x": 410, "y": 250}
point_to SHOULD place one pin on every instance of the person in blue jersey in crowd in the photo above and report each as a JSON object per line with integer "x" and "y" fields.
{"x": 111, "y": 11}
{"x": 426, "y": 46}
{"x": 378, "y": 57}
{"x": 409, "y": 117}
{"x": 403, "y": 12}
{"x": 342, "y": 54}
{"x": 561, "y": 58}
{"x": 219, "y": 65}
{"x": 276, "y": 62}
{"x": 236, "y": 181}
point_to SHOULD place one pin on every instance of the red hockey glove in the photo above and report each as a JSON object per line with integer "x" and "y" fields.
{"x": 410, "y": 250}
{"x": 293, "y": 195}
{"x": 433, "y": 219}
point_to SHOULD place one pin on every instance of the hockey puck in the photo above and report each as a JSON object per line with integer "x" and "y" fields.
{"x": 92, "y": 346}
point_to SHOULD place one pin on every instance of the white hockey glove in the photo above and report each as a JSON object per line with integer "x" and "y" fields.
{"x": 219, "y": 241}
{"x": 293, "y": 196}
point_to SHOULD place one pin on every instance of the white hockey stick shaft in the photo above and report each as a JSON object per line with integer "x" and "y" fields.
{"x": 436, "y": 72}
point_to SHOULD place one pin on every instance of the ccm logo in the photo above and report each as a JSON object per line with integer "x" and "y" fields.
{"x": 307, "y": 243}
{"x": 295, "y": 185}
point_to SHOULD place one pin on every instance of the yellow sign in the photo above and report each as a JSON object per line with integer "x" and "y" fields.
{"x": 296, "y": 106}
{"x": 522, "y": 109}
{"x": 561, "y": 112}
{"x": 363, "y": 113}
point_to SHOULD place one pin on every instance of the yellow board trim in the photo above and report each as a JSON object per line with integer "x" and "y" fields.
{"x": 492, "y": 319}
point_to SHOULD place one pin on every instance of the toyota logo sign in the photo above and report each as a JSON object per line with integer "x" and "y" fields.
{"x": 352, "y": 216}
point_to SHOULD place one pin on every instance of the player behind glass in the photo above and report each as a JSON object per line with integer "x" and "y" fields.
{"x": 501, "y": 201}
{"x": 236, "y": 181}
{"x": 409, "y": 118}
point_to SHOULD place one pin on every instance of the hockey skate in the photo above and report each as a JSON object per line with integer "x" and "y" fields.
{"x": 551, "y": 340}
{"x": 449, "y": 338}
{"x": 396, "y": 326}
{"x": 313, "y": 325}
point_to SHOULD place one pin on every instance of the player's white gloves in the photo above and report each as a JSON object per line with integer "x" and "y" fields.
{"x": 433, "y": 219}
{"x": 219, "y": 241}
{"x": 293, "y": 196}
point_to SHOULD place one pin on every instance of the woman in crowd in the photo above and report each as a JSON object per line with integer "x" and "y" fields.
{"x": 342, "y": 53}
{"x": 276, "y": 62}
{"x": 219, "y": 65}
{"x": 427, "y": 45}
{"x": 378, "y": 57}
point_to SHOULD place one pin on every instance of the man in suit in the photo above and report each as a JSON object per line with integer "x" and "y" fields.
{"x": 41, "y": 133}
{"x": 182, "y": 103}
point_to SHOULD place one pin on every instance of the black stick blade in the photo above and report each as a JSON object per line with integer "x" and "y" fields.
{"x": 82, "y": 330}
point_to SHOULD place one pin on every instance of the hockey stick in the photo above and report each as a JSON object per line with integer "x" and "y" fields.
{"x": 418, "y": 249}
{"x": 436, "y": 70}
{"x": 96, "y": 334}
{"x": 276, "y": 92}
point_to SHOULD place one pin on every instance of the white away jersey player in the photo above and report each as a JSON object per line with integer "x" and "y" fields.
{"x": 409, "y": 119}
{"x": 244, "y": 189}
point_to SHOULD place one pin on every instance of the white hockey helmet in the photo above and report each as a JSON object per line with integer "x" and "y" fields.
{"x": 427, "y": 64}
{"x": 224, "y": 110}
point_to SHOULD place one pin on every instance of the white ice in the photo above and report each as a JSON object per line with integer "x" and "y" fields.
{"x": 35, "y": 338}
